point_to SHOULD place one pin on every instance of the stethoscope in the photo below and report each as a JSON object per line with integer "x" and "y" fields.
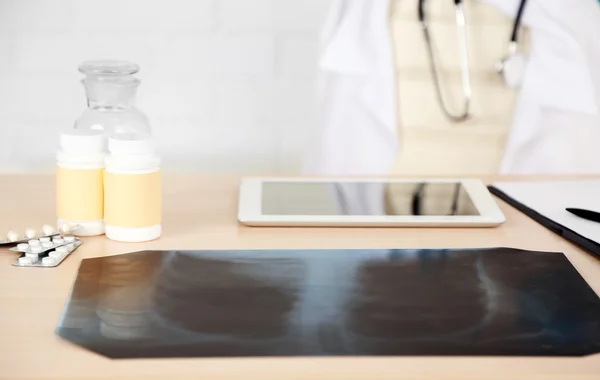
{"x": 512, "y": 66}
{"x": 464, "y": 62}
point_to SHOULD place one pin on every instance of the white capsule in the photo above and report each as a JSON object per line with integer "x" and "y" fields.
{"x": 62, "y": 250}
{"x": 34, "y": 242}
{"x": 22, "y": 246}
{"x": 58, "y": 240}
{"x": 47, "y": 229}
{"x": 47, "y": 244}
{"x": 69, "y": 239}
{"x": 32, "y": 256}
{"x": 35, "y": 249}
{"x": 25, "y": 260}
{"x": 48, "y": 261}
{"x": 70, "y": 246}
{"x": 44, "y": 239}
{"x": 30, "y": 233}
{"x": 55, "y": 254}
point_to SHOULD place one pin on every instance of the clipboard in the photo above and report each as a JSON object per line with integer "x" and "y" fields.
{"x": 545, "y": 202}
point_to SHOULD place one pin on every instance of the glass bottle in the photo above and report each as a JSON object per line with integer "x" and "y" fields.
{"x": 110, "y": 89}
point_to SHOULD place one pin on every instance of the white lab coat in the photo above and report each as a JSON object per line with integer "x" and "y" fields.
{"x": 357, "y": 92}
{"x": 556, "y": 125}
{"x": 357, "y": 103}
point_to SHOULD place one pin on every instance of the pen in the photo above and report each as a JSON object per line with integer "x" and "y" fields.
{"x": 585, "y": 214}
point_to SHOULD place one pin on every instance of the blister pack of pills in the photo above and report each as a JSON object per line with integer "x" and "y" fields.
{"x": 45, "y": 251}
{"x": 48, "y": 231}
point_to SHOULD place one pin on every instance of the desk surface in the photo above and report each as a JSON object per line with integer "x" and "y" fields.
{"x": 200, "y": 213}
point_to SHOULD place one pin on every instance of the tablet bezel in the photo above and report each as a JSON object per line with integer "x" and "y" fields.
{"x": 250, "y": 206}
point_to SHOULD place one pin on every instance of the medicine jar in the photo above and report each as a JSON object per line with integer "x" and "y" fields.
{"x": 110, "y": 88}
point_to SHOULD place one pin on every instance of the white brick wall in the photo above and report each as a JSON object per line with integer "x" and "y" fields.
{"x": 233, "y": 15}
{"x": 227, "y": 84}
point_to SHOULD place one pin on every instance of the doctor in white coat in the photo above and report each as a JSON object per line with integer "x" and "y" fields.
{"x": 556, "y": 125}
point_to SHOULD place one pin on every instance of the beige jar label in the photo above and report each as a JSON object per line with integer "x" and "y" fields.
{"x": 79, "y": 194}
{"x": 132, "y": 200}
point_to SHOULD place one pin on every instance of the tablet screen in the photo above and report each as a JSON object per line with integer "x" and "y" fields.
{"x": 360, "y": 198}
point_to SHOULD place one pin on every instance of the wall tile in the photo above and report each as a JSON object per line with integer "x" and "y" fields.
{"x": 28, "y": 15}
{"x": 244, "y": 55}
{"x": 244, "y": 15}
{"x": 7, "y": 56}
{"x": 304, "y": 16}
{"x": 293, "y": 99}
{"x": 297, "y": 57}
{"x": 242, "y": 103}
{"x": 143, "y": 14}
{"x": 44, "y": 97}
{"x": 33, "y": 141}
{"x": 44, "y": 53}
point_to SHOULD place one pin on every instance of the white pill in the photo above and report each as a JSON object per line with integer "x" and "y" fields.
{"x": 25, "y": 260}
{"x": 55, "y": 254}
{"x": 12, "y": 236}
{"x": 48, "y": 261}
{"x": 65, "y": 228}
{"x": 34, "y": 242}
{"x": 70, "y": 246}
{"x": 69, "y": 239}
{"x": 32, "y": 256}
{"x": 58, "y": 241}
{"x": 35, "y": 249}
{"x": 30, "y": 233}
{"x": 61, "y": 250}
{"x": 22, "y": 246}
{"x": 48, "y": 229}
{"x": 47, "y": 244}
{"x": 44, "y": 239}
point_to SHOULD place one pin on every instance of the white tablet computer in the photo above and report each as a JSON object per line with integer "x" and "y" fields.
{"x": 367, "y": 202}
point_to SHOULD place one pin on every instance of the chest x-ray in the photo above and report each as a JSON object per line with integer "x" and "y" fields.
{"x": 372, "y": 302}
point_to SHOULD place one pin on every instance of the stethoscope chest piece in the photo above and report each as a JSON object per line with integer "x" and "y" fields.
{"x": 512, "y": 69}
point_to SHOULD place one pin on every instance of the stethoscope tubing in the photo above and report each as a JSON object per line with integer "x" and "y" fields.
{"x": 514, "y": 36}
{"x": 464, "y": 56}
{"x": 464, "y": 61}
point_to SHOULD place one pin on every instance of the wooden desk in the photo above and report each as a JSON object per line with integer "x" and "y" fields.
{"x": 201, "y": 213}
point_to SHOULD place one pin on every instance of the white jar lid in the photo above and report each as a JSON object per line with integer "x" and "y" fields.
{"x": 131, "y": 143}
{"x": 82, "y": 141}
